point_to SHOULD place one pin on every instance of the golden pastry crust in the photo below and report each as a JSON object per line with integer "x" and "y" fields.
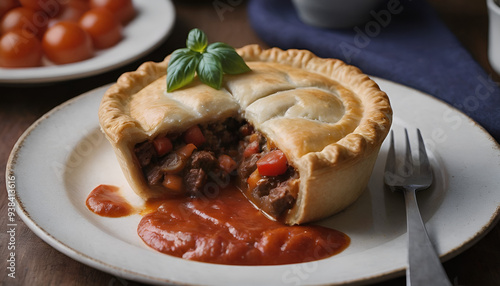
{"x": 326, "y": 116}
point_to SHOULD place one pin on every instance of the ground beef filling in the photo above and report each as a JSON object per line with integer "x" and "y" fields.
{"x": 211, "y": 155}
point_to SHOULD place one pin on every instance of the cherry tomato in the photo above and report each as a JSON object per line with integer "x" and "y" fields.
{"x": 20, "y": 48}
{"x": 273, "y": 163}
{"x": 26, "y": 19}
{"x": 71, "y": 10}
{"x": 66, "y": 42}
{"x": 49, "y": 7}
{"x": 123, "y": 9}
{"x": 194, "y": 135}
{"x": 6, "y": 5}
{"x": 104, "y": 29}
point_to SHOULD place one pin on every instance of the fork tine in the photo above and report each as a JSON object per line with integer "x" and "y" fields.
{"x": 390, "y": 163}
{"x": 390, "y": 176}
{"x": 408, "y": 164}
{"x": 425, "y": 166}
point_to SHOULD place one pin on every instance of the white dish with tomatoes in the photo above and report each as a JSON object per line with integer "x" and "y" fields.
{"x": 54, "y": 40}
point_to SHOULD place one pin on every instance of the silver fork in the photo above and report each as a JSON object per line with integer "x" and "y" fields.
{"x": 424, "y": 266}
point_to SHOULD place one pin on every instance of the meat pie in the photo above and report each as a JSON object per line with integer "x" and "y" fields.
{"x": 298, "y": 134}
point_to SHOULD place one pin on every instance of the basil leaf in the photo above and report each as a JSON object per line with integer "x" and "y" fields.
{"x": 210, "y": 70}
{"x": 210, "y": 62}
{"x": 231, "y": 61}
{"x": 181, "y": 68}
{"x": 197, "y": 40}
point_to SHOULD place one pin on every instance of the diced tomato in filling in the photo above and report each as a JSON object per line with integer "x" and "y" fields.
{"x": 194, "y": 135}
{"x": 273, "y": 163}
{"x": 184, "y": 163}
{"x": 163, "y": 145}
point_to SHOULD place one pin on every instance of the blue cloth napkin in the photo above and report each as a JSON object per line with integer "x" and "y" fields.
{"x": 410, "y": 46}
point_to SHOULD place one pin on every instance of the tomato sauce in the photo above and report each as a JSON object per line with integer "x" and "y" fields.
{"x": 223, "y": 229}
{"x": 229, "y": 230}
{"x": 105, "y": 200}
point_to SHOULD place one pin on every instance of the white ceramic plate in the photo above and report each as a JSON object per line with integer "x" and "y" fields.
{"x": 63, "y": 156}
{"x": 152, "y": 24}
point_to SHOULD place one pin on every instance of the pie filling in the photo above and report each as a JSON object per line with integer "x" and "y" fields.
{"x": 209, "y": 156}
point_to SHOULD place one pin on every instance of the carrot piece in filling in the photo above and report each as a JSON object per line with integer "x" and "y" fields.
{"x": 253, "y": 179}
{"x": 186, "y": 151}
{"x": 173, "y": 183}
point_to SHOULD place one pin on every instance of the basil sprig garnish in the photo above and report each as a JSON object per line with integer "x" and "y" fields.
{"x": 210, "y": 62}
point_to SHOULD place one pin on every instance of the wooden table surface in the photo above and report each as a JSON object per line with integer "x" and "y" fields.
{"x": 37, "y": 263}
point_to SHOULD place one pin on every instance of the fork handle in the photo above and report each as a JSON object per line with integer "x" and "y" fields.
{"x": 424, "y": 268}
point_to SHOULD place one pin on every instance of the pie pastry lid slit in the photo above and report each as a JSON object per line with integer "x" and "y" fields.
{"x": 328, "y": 118}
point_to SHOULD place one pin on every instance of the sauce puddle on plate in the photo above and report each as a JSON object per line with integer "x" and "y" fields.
{"x": 225, "y": 229}
{"x": 105, "y": 200}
